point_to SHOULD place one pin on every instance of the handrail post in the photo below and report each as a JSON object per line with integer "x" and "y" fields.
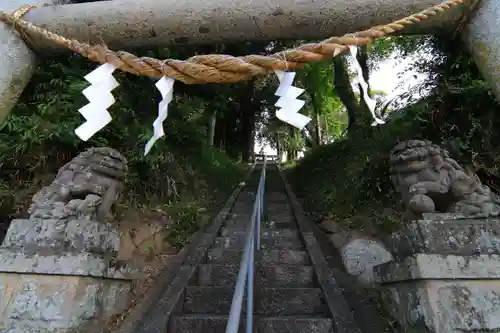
{"x": 257, "y": 224}
{"x": 261, "y": 201}
{"x": 250, "y": 288}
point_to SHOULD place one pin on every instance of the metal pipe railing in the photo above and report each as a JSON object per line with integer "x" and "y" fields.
{"x": 246, "y": 272}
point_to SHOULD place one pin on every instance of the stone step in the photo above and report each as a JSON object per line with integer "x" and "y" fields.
{"x": 248, "y": 192}
{"x": 267, "y": 301}
{"x": 217, "y": 324}
{"x": 288, "y": 223}
{"x": 237, "y": 242}
{"x": 264, "y": 256}
{"x": 245, "y": 216}
{"x": 282, "y": 224}
{"x": 243, "y": 211}
{"x": 246, "y": 204}
{"x": 236, "y": 223}
{"x": 247, "y": 198}
{"x": 278, "y": 206}
{"x": 242, "y": 215}
{"x": 278, "y": 215}
{"x": 276, "y": 195}
{"x": 292, "y": 234}
{"x": 283, "y": 203}
{"x": 286, "y": 276}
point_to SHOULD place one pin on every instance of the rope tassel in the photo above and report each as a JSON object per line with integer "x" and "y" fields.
{"x": 100, "y": 99}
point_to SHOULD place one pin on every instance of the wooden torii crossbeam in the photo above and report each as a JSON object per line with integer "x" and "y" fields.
{"x": 129, "y": 23}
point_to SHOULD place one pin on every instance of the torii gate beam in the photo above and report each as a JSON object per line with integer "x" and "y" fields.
{"x": 132, "y": 23}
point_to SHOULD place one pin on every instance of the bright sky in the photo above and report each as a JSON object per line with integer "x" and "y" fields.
{"x": 386, "y": 77}
{"x": 389, "y": 77}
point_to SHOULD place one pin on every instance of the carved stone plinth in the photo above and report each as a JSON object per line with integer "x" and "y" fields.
{"x": 55, "y": 278}
{"x": 446, "y": 278}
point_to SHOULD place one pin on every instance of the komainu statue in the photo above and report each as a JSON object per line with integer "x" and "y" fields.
{"x": 65, "y": 254}
{"x": 429, "y": 181}
{"x": 84, "y": 189}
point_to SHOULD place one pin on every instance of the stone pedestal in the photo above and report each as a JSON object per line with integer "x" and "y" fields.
{"x": 446, "y": 277}
{"x": 60, "y": 276}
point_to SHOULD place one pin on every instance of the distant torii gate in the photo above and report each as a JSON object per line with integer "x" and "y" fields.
{"x": 130, "y": 23}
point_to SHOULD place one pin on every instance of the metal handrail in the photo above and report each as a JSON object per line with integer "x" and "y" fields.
{"x": 246, "y": 271}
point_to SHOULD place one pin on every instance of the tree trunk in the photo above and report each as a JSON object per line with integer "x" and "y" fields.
{"x": 309, "y": 134}
{"x": 342, "y": 86}
{"x": 279, "y": 149}
{"x": 326, "y": 135}
{"x": 211, "y": 127}
{"x": 319, "y": 133}
{"x": 317, "y": 124}
{"x": 251, "y": 140}
{"x": 362, "y": 57}
{"x": 358, "y": 113}
{"x": 248, "y": 111}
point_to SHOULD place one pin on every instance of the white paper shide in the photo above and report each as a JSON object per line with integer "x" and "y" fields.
{"x": 100, "y": 99}
{"x": 288, "y": 104}
{"x": 166, "y": 87}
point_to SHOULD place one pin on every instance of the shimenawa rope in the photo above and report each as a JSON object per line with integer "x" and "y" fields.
{"x": 219, "y": 68}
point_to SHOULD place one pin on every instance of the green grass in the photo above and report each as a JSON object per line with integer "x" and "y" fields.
{"x": 348, "y": 180}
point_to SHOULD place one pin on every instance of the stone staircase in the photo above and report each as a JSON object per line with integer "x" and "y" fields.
{"x": 287, "y": 298}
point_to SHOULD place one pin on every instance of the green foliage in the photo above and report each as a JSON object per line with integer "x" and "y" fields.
{"x": 350, "y": 176}
{"x": 5, "y": 196}
{"x": 397, "y": 46}
{"x": 349, "y": 179}
{"x": 38, "y": 138}
{"x": 322, "y": 104}
{"x": 317, "y": 80}
{"x": 186, "y": 219}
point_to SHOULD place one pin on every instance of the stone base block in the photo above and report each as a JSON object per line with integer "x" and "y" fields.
{"x": 436, "y": 266}
{"x": 58, "y": 304}
{"x": 84, "y": 264}
{"x": 447, "y": 234}
{"x": 443, "y": 294}
{"x": 445, "y": 306}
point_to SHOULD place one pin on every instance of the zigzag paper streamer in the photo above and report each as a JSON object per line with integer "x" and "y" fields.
{"x": 288, "y": 104}
{"x": 364, "y": 86}
{"x": 166, "y": 87}
{"x": 100, "y": 99}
